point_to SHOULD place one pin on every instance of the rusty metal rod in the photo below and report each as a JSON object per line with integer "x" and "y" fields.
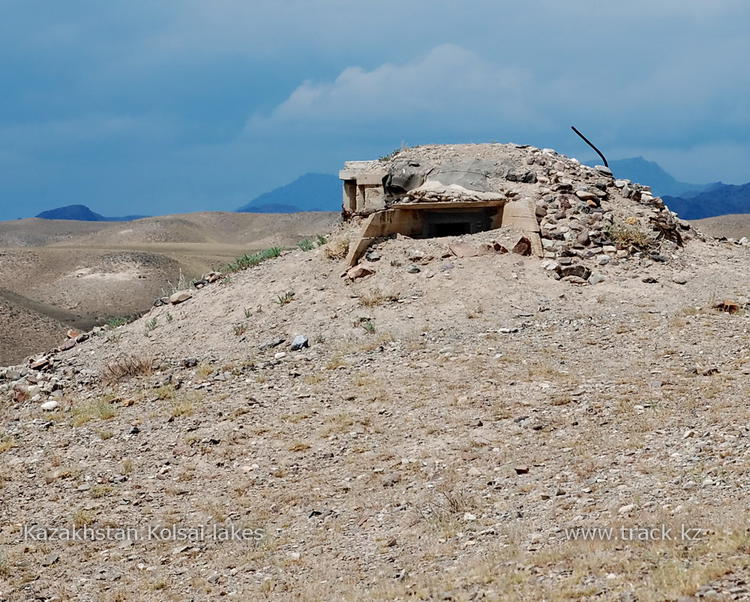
{"x": 587, "y": 141}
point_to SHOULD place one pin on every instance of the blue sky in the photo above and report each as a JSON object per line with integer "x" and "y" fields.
{"x": 136, "y": 106}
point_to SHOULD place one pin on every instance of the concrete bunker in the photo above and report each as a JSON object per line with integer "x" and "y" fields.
{"x": 429, "y": 200}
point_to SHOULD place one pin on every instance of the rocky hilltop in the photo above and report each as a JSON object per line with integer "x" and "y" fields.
{"x": 449, "y": 421}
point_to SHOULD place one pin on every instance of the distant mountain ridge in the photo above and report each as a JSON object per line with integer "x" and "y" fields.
{"x": 689, "y": 201}
{"x": 650, "y": 173}
{"x": 83, "y": 214}
{"x": 309, "y": 192}
{"x": 718, "y": 199}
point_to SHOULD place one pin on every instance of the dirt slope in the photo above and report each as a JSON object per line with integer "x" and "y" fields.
{"x": 441, "y": 451}
{"x": 28, "y": 326}
{"x": 447, "y": 427}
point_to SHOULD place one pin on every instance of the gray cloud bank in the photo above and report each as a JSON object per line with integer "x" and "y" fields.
{"x": 142, "y": 107}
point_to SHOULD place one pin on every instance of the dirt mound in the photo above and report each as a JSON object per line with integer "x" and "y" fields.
{"x": 450, "y": 426}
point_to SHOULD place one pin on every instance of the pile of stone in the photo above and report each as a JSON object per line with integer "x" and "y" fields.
{"x": 586, "y": 218}
{"x": 36, "y": 382}
{"x": 593, "y": 219}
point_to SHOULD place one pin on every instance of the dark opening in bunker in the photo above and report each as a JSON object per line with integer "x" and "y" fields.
{"x": 454, "y": 222}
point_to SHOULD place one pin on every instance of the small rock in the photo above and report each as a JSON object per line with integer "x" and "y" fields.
{"x": 272, "y": 343}
{"x": 522, "y": 247}
{"x": 413, "y": 269}
{"x": 299, "y": 342}
{"x": 50, "y": 406}
{"x": 679, "y": 279}
{"x": 626, "y": 509}
{"x": 585, "y": 195}
{"x": 180, "y": 297}
{"x": 358, "y": 271}
{"x": 580, "y": 271}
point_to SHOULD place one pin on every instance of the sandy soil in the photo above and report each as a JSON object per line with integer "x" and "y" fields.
{"x": 442, "y": 437}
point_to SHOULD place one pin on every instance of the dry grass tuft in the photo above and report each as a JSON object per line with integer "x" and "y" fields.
{"x": 126, "y": 366}
{"x": 6, "y": 443}
{"x": 376, "y": 297}
{"x": 630, "y": 237}
{"x": 101, "y": 409}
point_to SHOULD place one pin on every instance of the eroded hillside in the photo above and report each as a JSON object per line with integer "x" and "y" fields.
{"x": 440, "y": 425}
{"x": 80, "y": 274}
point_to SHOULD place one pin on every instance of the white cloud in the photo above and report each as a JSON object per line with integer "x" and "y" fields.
{"x": 450, "y": 89}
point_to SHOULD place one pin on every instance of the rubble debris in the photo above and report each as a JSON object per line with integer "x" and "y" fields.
{"x": 559, "y": 207}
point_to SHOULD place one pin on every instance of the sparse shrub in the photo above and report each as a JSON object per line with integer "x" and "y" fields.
{"x": 118, "y": 321}
{"x": 204, "y": 371}
{"x": 299, "y": 447}
{"x": 390, "y": 155}
{"x": 125, "y": 367}
{"x": 151, "y": 325}
{"x": 239, "y": 329}
{"x": 376, "y": 297}
{"x": 630, "y": 237}
{"x": 100, "y": 409}
{"x": 368, "y": 326}
{"x": 166, "y": 392}
{"x": 169, "y": 318}
{"x": 81, "y": 518}
{"x": 248, "y": 312}
{"x": 98, "y": 491}
{"x": 321, "y": 240}
{"x": 127, "y": 466}
{"x": 248, "y": 261}
{"x": 306, "y": 244}
{"x": 181, "y": 284}
{"x": 182, "y": 408}
{"x": 287, "y": 297}
{"x": 185, "y": 406}
{"x": 336, "y": 249}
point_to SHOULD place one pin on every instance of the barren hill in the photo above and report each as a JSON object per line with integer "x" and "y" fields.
{"x": 450, "y": 422}
{"x": 734, "y": 226}
{"x": 84, "y": 273}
